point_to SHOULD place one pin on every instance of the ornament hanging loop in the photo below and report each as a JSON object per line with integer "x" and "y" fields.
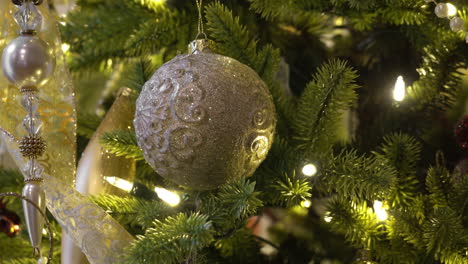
{"x": 201, "y": 27}
{"x": 36, "y": 251}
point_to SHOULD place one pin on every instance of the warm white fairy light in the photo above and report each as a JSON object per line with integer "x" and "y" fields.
{"x": 171, "y": 198}
{"x": 399, "y": 92}
{"x": 451, "y": 9}
{"x": 14, "y": 229}
{"x": 65, "y": 47}
{"x": 327, "y": 218}
{"x": 119, "y": 183}
{"x": 309, "y": 170}
{"x": 306, "y": 203}
{"x": 380, "y": 211}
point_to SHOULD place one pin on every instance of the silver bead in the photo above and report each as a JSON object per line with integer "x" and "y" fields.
{"x": 457, "y": 24}
{"x": 34, "y": 220}
{"x": 28, "y": 61}
{"x": 441, "y": 10}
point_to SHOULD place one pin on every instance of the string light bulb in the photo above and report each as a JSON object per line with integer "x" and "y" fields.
{"x": 451, "y": 9}
{"x": 399, "y": 92}
{"x": 327, "y": 218}
{"x": 380, "y": 210}
{"x": 119, "y": 183}
{"x": 171, "y": 198}
{"x": 306, "y": 203}
{"x": 65, "y": 47}
{"x": 14, "y": 229}
{"x": 309, "y": 170}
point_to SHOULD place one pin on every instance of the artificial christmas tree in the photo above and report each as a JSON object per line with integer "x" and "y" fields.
{"x": 366, "y": 164}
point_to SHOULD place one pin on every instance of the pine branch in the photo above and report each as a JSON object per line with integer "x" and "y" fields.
{"x": 445, "y": 236}
{"x": 439, "y": 84}
{"x": 87, "y": 124}
{"x": 239, "y": 198}
{"x": 403, "y": 153}
{"x": 235, "y": 40}
{"x": 358, "y": 177}
{"x": 356, "y": 221}
{"x": 438, "y": 182}
{"x": 292, "y": 190}
{"x": 240, "y": 247}
{"x": 172, "y": 241}
{"x": 140, "y": 71}
{"x": 318, "y": 109}
{"x": 122, "y": 143}
{"x": 97, "y": 25}
{"x": 408, "y": 223}
{"x": 132, "y": 211}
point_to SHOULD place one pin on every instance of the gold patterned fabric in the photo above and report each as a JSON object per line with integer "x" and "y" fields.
{"x": 57, "y": 107}
{"x": 100, "y": 237}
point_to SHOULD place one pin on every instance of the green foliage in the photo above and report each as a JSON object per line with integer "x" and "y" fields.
{"x": 438, "y": 183}
{"x": 439, "y": 83}
{"x": 87, "y": 124}
{"x": 132, "y": 211}
{"x": 240, "y": 198}
{"x": 173, "y": 240}
{"x": 445, "y": 236}
{"x": 359, "y": 177}
{"x": 240, "y": 244}
{"x": 122, "y": 143}
{"x": 231, "y": 205}
{"x": 403, "y": 153}
{"x": 234, "y": 40}
{"x": 140, "y": 71}
{"x": 425, "y": 225}
{"x": 292, "y": 190}
{"x": 135, "y": 28}
{"x": 319, "y": 107}
{"x": 356, "y": 221}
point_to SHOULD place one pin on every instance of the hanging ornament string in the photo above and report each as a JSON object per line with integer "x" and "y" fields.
{"x": 28, "y": 62}
{"x": 36, "y": 251}
{"x": 201, "y": 30}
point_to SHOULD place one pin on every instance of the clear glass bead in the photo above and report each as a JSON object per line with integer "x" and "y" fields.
{"x": 33, "y": 169}
{"x": 28, "y": 17}
{"x": 32, "y": 124}
{"x": 30, "y": 102}
{"x": 441, "y": 10}
{"x": 457, "y": 24}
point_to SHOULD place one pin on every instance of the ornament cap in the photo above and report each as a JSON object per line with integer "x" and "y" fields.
{"x": 200, "y": 45}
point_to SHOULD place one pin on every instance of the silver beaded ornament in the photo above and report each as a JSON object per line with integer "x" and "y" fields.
{"x": 28, "y": 62}
{"x": 204, "y": 119}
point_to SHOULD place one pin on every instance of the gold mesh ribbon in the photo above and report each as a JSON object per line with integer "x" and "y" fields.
{"x": 57, "y": 106}
{"x": 100, "y": 237}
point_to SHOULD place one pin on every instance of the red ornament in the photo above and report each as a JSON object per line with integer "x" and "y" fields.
{"x": 461, "y": 132}
{"x": 9, "y": 221}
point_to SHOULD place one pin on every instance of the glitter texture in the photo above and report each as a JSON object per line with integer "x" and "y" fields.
{"x": 204, "y": 119}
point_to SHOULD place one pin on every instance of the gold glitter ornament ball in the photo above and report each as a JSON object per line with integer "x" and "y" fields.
{"x": 204, "y": 119}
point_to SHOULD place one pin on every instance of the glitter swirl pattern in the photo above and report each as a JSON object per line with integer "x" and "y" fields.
{"x": 204, "y": 119}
